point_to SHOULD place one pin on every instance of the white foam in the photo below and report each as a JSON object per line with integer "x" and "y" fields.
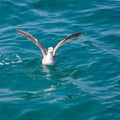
{"x": 7, "y": 61}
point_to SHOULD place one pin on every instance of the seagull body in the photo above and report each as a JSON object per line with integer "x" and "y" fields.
{"x": 49, "y": 59}
{"x": 48, "y": 55}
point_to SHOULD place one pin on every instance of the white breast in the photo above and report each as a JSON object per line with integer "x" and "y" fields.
{"x": 48, "y": 60}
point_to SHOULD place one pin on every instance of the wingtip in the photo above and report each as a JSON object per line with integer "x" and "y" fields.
{"x": 18, "y": 30}
{"x": 79, "y": 33}
{"x": 21, "y": 32}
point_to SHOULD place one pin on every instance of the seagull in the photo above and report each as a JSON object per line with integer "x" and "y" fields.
{"x": 48, "y": 55}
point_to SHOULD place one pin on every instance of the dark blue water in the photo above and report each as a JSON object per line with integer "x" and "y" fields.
{"x": 85, "y": 82}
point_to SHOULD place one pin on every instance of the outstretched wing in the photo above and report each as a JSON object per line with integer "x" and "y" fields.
{"x": 67, "y": 39}
{"x": 30, "y": 37}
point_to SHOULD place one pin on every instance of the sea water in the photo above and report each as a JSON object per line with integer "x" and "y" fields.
{"x": 85, "y": 82}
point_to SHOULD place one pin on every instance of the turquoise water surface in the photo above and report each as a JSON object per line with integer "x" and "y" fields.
{"x": 85, "y": 82}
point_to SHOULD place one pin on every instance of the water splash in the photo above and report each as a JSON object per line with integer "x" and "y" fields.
{"x": 9, "y": 59}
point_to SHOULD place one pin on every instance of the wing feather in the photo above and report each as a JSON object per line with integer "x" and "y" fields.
{"x": 67, "y": 39}
{"x": 30, "y": 37}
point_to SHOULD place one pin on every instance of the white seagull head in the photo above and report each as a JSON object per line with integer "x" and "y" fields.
{"x": 50, "y": 50}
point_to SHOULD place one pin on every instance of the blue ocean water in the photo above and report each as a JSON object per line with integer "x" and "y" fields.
{"x": 85, "y": 83}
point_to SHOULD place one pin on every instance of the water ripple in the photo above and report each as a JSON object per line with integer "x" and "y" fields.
{"x": 85, "y": 82}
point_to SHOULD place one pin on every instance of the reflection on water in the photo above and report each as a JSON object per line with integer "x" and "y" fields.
{"x": 50, "y": 71}
{"x": 47, "y": 72}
